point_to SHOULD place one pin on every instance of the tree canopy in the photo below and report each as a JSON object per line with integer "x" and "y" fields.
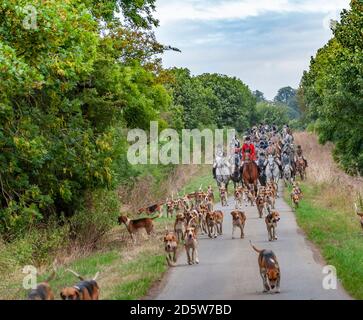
{"x": 330, "y": 93}
{"x": 288, "y": 96}
{"x": 66, "y": 88}
{"x": 213, "y": 100}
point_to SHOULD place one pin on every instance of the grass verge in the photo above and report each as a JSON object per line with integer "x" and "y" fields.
{"x": 127, "y": 270}
{"x": 337, "y": 233}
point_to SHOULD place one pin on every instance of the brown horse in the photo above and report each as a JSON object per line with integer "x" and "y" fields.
{"x": 249, "y": 172}
{"x": 301, "y": 167}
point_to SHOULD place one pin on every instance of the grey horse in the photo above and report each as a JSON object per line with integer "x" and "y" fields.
{"x": 272, "y": 170}
{"x": 223, "y": 171}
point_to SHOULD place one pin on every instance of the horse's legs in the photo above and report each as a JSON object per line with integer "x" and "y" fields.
{"x": 226, "y": 184}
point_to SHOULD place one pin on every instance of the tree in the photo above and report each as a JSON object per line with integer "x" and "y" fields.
{"x": 285, "y": 94}
{"x": 331, "y": 91}
{"x": 234, "y": 105}
{"x": 259, "y": 96}
{"x": 211, "y": 100}
{"x": 65, "y": 91}
{"x": 272, "y": 113}
{"x": 288, "y": 96}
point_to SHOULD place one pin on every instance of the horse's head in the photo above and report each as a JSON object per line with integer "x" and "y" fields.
{"x": 271, "y": 160}
{"x": 219, "y": 162}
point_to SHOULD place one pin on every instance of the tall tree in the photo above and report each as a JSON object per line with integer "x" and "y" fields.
{"x": 288, "y": 96}
{"x": 65, "y": 91}
{"x": 259, "y": 96}
{"x": 331, "y": 91}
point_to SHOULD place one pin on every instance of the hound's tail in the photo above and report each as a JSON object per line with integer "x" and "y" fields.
{"x": 96, "y": 276}
{"x": 76, "y": 274}
{"x": 159, "y": 215}
{"x": 189, "y": 223}
{"x": 254, "y": 248}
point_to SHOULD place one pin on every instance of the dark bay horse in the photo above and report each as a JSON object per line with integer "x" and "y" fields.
{"x": 262, "y": 174}
{"x": 236, "y": 175}
{"x": 301, "y": 167}
{"x": 250, "y": 174}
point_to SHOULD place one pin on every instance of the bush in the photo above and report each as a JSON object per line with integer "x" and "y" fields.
{"x": 64, "y": 91}
{"x": 37, "y": 247}
{"x": 331, "y": 91}
{"x": 89, "y": 225}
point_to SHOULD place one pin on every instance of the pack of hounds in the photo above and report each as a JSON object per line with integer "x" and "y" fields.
{"x": 83, "y": 290}
{"x": 194, "y": 215}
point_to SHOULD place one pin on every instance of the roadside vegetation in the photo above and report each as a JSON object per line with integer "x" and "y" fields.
{"x": 64, "y": 118}
{"x": 327, "y": 216}
{"x": 330, "y": 93}
{"x": 127, "y": 270}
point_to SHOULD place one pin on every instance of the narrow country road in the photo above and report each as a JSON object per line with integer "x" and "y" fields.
{"x": 228, "y": 268}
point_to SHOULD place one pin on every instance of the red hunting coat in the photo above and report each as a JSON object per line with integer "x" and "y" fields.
{"x": 246, "y": 147}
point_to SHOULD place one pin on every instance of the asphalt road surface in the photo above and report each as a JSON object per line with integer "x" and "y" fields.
{"x": 228, "y": 269}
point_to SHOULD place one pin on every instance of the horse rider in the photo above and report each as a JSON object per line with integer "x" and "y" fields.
{"x": 285, "y": 160}
{"x": 219, "y": 154}
{"x": 236, "y": 144}
{"x": 288, "y": 139}
{"x": 248, "y": 147}
{"x": 271, "y": 148}
{"x": 261, "y": 161}
{"x": 284, "y": 130}
{"x": 263, "y": 144}
{"x": 299, "y": 153}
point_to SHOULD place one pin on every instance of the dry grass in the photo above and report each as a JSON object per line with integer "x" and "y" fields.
{"x": 127, "y": 269}
{"x": 339, "y": 190}
{"x": 140, "y": 195}
{"x": 327, "y": 215}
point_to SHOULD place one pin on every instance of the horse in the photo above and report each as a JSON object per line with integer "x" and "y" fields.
{"x": 301, "y": 167}
{"x": 286, "y": 168}
{"x": 236, "y": 173}
{"x": 262, "y": 174}
{"x": 272, "y": 171}
{"x": 222, "y": 172}
{"x": 271, "y": 150}
{"x": 289, "y": 149}
{"x": 249, "y": 172}
{"x": 287, "y": 174}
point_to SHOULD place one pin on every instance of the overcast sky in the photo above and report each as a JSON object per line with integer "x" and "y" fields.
{"x": 265, "y": 43}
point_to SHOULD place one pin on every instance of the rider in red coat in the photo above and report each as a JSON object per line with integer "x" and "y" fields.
{"x": 248, "y": 146}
